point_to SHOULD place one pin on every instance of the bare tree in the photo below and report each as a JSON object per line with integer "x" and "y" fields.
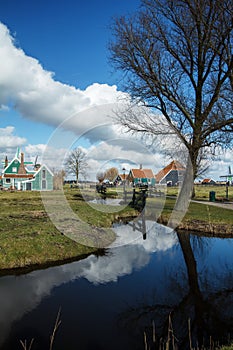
{"x": 58, "y": 179}
{"x": 111, "y": 173}
{"x": 76, "y": 163}
{"x": 177, "y": 55}
{"x": 100, "y": 176}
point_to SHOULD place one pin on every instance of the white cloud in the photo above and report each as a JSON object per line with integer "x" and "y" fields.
{"x": 35, "y": 93}
{"x": 38, "y": 96}
{"x": 135, "y": 155}
{"x": 220, "y": 166}
{"x": 52, "y": 157}
{"x": 4, "y": 108}
{"x": 9, "y": 140}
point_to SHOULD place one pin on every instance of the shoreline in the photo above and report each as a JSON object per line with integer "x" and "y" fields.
{"x": 195, "y": 227}
{"x": 202, "y": 228}
{"x": 27, "y": 234}
{"x": 21, "y": 270}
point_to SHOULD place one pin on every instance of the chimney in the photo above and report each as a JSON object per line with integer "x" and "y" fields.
{"x": 22, "y": 169}
{"x": 22, "y": 158}
{"x": 140, "y": 166}
{"x": 6, "y": 162}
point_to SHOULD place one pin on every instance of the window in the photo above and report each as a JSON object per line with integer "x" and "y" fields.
{"x": 28, "y": 186}
{"x": 8, "y": 181}
{"x": 43, "y": 184}
{"x": 43, "y": 174}
{"x": 14, "y": 170}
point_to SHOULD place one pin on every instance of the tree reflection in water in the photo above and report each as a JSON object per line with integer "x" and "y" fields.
{"x": 198, "y": 316}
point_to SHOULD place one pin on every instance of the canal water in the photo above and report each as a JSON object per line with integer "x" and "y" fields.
{"x": 127, "y": 296}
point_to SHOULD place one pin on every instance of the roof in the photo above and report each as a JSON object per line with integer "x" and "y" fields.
{"x": 9, "y": 164}
{"x": 149, "y": 173}
{"x": 18, "y": 176}
{"x": 206, "y": 181}
{"x": 41, "y": 167}
{"x": 174, "y": 165}
{"x": 142, "y": 173}
{"x": 122, "y": 176}
{"x": 22, "y": 172}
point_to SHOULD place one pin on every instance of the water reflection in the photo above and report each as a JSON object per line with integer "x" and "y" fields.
{"x": 166, "y": 274}
{"x": 35, "y": 286}
{"x": 106, "y": 201}
{"x": 198, "y": 315}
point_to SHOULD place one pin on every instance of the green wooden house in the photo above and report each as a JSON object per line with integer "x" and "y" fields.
{"x": 22, "y": 175}
{"x": 141, "y": 177}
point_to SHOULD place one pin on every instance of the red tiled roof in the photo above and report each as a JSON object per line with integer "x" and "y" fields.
{"x": 142, "y": 173}
{"x": 148, "y": 173}
{"x": 123, "y": 176}
{"x": 205, "y": 181}
{"x": 137, "y": 173}
{"x": 174, "y": 165}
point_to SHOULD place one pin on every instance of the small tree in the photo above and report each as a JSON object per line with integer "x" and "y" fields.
{"x": 100, "y": 176}
{"x": 76, "y": 163}
{"x": 111, "y": 174}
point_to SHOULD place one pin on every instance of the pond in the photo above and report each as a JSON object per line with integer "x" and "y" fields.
{"x": 126, "y": 297}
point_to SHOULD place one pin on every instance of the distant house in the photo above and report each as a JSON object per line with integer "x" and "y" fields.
{"x": 171, "y": 175}
{"x": 21, "y": 175}
{"x": 141, "y": 177}
{"x": 208, "y": 182}
{"x": 120, "y": 179}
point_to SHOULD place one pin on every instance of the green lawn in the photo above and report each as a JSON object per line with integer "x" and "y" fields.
{"x": 28, "y": 237}
{"x": 202, "y": 192}
{"x": 201, "y": 212}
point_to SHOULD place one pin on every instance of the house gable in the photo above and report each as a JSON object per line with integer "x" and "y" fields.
{"x": 13, "y": 167}
{"x": 17, "y": 176}
{"x": 208, "y": 182}
{"x": 43, "y": 179}
{"x": 141, "y": 176}
{"x": 172, "y": 173}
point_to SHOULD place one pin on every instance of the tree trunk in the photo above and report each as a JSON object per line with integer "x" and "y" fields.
{"x": 183, "y": 200}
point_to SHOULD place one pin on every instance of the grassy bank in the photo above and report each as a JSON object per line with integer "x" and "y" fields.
{"x": 200, "y": 212}
{"x": 29, "y": 238}
{"x": 202, "y": 192}
{"x": 204, "y": 218}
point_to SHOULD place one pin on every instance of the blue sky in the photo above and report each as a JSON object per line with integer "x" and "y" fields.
{"x": 55, "y": 68}
{"x": 69, "y": 37}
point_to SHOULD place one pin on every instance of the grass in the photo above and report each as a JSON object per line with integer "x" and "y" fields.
{"x": 28, "y": 237}
{"x": 202, "y": 192}
{"x": 27, "y": 234}
{"x": 201, "y": 212}
{"x": 172, "y": 343}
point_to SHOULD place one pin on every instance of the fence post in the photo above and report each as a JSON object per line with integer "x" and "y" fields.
{"x": 134, "y": 197}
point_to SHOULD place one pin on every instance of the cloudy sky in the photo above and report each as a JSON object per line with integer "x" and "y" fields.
{"x": 57, "y": 88}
